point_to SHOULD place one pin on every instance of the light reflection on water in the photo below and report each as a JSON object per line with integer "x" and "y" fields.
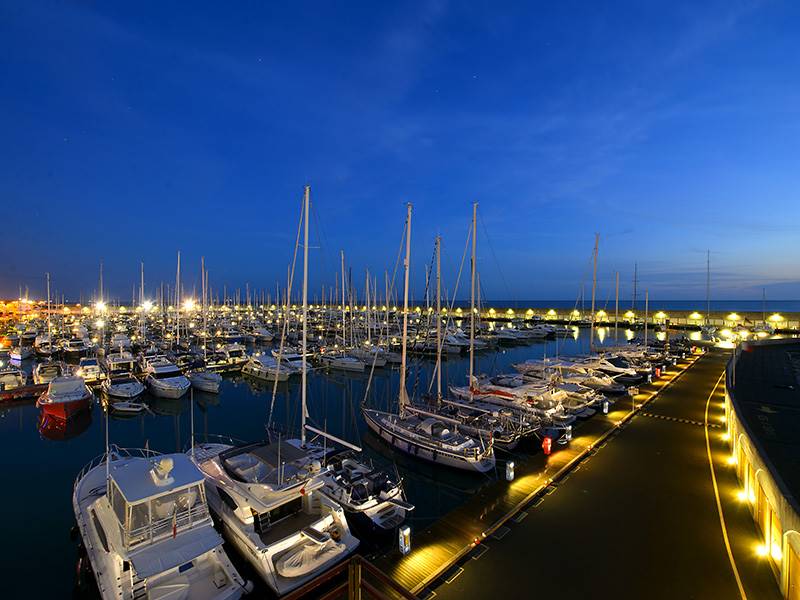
{"x": 41, "y": 459}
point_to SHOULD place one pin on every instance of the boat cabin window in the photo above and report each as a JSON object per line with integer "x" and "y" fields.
{"x": 167, "y": 374}
{"x": 117, "y": 502}
{"x": 284, "y": 510}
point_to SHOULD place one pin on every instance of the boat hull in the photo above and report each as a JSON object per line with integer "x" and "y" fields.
{"x": 65, "y": 410}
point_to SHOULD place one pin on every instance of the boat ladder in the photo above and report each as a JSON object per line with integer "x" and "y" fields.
{"x": 138, "y": 587}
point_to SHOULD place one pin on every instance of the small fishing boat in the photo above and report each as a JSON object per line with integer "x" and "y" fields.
{"x": 205, "y": 380}
{"x": 123, "y": 386}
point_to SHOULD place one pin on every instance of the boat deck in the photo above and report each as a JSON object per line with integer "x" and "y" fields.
{"x": 438, "y": 547}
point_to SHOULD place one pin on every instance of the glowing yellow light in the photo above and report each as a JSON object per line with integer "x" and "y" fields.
{"x": 529, "y": 312}
{"x": 492, "y": 311}
{"x": 776, "y": 552}
{"x": 551, "y": 313}
{"x": 695, "y": 316}
{"x": 661, "y": 315}
{"x": 726, "y": 436}
{"x": 576, "y": 313}
{"x": 732, "y": 459}
{"x": 101, "y": 306}
{"x": 99, "y": 323}
{"x": 733, "y": 317}
{"x": 630, "y": 314}
{"x": 147, "y": 305}
{"x": 188, "y": 304}
{"x": 761, "y": 550}
{"x": 601, "y": 313}
{"x": 510, "y": 312}
{"x": 726, "y": 333}
{"x": 741, "y": 495}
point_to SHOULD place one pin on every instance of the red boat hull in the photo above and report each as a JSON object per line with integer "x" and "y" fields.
{"x": 65, "y": 410}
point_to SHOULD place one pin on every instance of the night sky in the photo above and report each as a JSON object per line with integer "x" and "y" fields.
{"x": 132, "y": 131}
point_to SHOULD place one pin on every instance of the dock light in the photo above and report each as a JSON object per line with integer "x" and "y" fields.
{"x": 147, "y": 305}
{"x": 762, "y": 550}
{"x": 776, "y": 318}
{"x": 725, "y": 437}
{"x": 99, "y": 323}
{"x": 658, "y": 372}
{"x": 568, "y": 433}
{"x": 404, "y": 539}
{"x": 741, "y": 495}
{"x": 510, "y": 470}
{"x": 547, "y": 445}
{"x": 630, "y": 314}
{"x": 605, "y": 407}
{"x": 551, "y": 313}
{"x": 695, "y": 316}
{"x": 732, "y": 459}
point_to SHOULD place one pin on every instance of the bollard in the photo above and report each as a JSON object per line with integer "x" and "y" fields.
{"x": 658, "y": 372}
{"x": 605, "y": 407}
{"x": 568, "y": 434}
{"x": 510, "y": 470}
{"x": 404, "y": 539}
{"x": 546, "y": 445}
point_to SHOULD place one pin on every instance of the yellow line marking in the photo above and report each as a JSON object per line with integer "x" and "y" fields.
{"x": 716, "y": 494}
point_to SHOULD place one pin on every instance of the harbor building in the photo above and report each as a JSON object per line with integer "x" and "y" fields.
{"x": 762, "y": 404}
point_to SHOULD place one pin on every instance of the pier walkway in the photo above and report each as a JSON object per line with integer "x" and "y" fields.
{"x": 637, "y": 519}
{"x": 500, "y": 507}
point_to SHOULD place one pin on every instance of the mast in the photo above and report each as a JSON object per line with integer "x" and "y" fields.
{"x": 178, "y": 302}
{"x": 203, "y": 307}
{"x": 305, "y": 314}
{"x": 708, "y": 285}
{"x": 594, "y": 289}
{"x": 48, "y": 303}
{"x": 143, "y": 325}
{"x": 472, "y": 302}
{"x": 438, "y": 318}
{"x": 403, "y": 398}
{"x": 616, "y": 308}
{"x": 344, "y": 319}
{"x": 635, "y": 283}
{"x": 369, "y": 313}
{"x": 646, "y": 310}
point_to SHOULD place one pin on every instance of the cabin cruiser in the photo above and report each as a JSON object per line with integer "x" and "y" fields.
{"x": 90, "y": 370}
{"x": 291, "y": 358}
{"x": 165, "y": 380}
{"x": 147, "y": 530}
{"x": 119, "y": 362}
{"x": 432, "y": 439}
{"x": 66, "y": 395}
{"x": 45, "y": 372}
{"x": 266, "y": 367}
{"x": 74, "y": 347}
{"x": 370, "y": 355}
{"x": 341, "y": 362}
{"x": 268, "y": 498}
{"x": 205, "y": 380}
{"x": 44, "y": 346}
{"x": 371, "y": 499}
{"x": 120, "y": 340}
{"x": 570, "y": 372}
{"x": 123, "y": 386}
{"x": 11, "y": 378}
{"x": 20, "y": 353}
{"x": 235, "y": 354}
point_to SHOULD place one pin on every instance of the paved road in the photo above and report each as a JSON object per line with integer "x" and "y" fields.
{"x": 637, "y": 520}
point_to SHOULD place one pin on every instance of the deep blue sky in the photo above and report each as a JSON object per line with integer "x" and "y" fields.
{"x": 133, "y": 131}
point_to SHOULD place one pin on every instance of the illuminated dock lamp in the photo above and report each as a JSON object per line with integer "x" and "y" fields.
{"x": 630, "y": 315}
{"x": 551, "y": 313}
{"x": 695, "y": 316}
{"x": 147, "y": 306}
{"x": 404, "y": 539}
{"x": 568, "y": 434}
{"x": 605, "y": 407}
{"x": 100, "y": 306}
{"x": 547, "y": 445}
{"x": 733, "y": 317}
{"x": 510, "y": 470}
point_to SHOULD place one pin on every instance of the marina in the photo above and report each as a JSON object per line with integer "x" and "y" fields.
{"x": 400, "y": 301}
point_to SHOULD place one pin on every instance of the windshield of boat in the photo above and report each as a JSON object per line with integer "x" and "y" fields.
{"x": 166, "y": 374}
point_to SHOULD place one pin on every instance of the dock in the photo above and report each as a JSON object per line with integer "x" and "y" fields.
{"x": 440, "y": 546}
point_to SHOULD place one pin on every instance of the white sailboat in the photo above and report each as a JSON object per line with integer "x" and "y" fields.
{"x": 427, "y": 437}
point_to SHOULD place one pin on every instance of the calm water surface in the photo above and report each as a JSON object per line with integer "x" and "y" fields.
{"x": 40, "y": 460}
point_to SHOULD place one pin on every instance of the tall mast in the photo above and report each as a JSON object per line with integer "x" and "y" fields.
{"x": 635, "y": 283}
{"x": 178, "y": 302}
{"x": 305, "y": 313}
{"x": 438, "y": 318}
{"x": 594, "y": 288}
{"x": 708, "y": 285}
{"x": 48, "y": 303}
{"x": 646, "y": 311}
{"x": 616, "y": 308}
{"x": 205, "y": 315}
{"x": 472, "y": 301}
{"x": 143, "y": 318}
{"x": 100, "y": 299}
{"x": 344, "y": 319}
{"x": 366, "y": 293}
{"x": 403, "y": 398}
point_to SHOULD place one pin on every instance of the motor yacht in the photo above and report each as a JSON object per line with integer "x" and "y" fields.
{"x": 268, "y": 498}
{"x": 147, "y": 530}
{"x": 122, "y": 386}
{"x": 165, "y": 380}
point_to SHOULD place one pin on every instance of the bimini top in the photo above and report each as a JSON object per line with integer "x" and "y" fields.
{"x": 764, "y": 386}
{"x": 142, "y": 478}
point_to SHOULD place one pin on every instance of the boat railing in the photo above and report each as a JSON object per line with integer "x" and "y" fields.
{"x": 114, "y": 453}
{"x": 164, "y": 528}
